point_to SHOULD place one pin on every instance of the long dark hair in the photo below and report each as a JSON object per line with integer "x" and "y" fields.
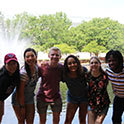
{"x": 16, "y": 75}
{"x": 26, "y": 65}
{"x": 117, "y": 55}
{"x": 80, "y": 71}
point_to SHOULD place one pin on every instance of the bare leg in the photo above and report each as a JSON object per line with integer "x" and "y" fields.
{"x": 99, "y": 119}
{"x": 17, "y": 109}
{"x": 30, "y": 112}
{"x": 91, "y": 117}
{"x": 56, "y": 117}
{"x": 1, "y": 118}
{"x": 1, "y": 110}
{"x": 70, "y": 112}
{"x": 82, "y": 113}
{"x": 42, "y": 118}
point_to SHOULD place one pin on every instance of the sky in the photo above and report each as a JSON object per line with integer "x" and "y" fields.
{"x": 76, "y": 10}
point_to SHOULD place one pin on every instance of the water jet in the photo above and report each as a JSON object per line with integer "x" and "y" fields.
{"x": 11, "y": 41}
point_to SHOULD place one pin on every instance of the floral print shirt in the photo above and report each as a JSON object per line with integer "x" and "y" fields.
{"x": 97, "y": 92}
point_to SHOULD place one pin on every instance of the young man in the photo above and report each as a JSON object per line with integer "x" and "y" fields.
{"x": 116, "y": 75}
{"x": 49, "y": 91}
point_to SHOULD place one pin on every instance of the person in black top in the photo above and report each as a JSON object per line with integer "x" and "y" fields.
{"x": 9, "y": 79}
{"x": 77, "y": 94}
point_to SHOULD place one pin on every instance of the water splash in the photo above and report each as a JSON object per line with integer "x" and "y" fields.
{"x": 10, "y": 41}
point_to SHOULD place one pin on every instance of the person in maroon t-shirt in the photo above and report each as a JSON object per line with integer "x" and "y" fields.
{"x": 49, "y": 90}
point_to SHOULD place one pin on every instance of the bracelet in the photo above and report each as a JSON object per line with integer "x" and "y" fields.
{"x": 21, "y": 106}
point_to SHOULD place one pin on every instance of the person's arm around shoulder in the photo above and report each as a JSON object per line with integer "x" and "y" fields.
{"x": 40, "y": 68}
{"x": 39, "y": 71}
{"x": 62, "y": 73}
{"x": 105, "y": 76}
{"x": 85, "y": 69}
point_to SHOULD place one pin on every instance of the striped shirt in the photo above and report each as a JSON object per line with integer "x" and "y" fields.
{"x": 117, "y": 80}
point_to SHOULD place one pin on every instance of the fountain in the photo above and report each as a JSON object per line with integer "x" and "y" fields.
{"x": 10, "y": 41}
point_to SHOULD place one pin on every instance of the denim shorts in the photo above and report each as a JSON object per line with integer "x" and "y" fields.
{"x": 76, "y": 100}
{"x": 42, "y": 106}
{"x": 28, "y": 100}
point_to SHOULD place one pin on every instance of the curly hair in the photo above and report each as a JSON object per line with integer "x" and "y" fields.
{"x": 117, "y": 55}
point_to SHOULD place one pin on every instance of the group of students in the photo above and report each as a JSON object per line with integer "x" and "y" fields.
{"x": 87, "y": 90}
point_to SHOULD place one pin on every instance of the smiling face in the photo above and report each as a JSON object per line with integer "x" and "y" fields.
{"x": 54, "y": 56}
{"x": 72, "y": 64}
{"x": 95, "y": 65}
{"x": 30, "y": 58}
{"x": 113, "y": 63}
{"x": 11, "y": 66}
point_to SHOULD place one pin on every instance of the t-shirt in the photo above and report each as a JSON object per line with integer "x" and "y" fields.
{"x": 49, "y": 89}
{"x": 77, "y": 87}
{"x": 117, "y": 80}
{"x": 7, "y": 84}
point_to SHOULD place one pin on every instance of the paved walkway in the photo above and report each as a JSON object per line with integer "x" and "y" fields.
{"x": 10, "y": 118}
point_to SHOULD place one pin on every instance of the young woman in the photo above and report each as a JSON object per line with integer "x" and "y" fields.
{"x": 74, "y": 76}
{"x": 23, "y": 98}
{"x": 115, "y": 73}
{"x": 97, "y": 92}
{"x": 9, "y": 79}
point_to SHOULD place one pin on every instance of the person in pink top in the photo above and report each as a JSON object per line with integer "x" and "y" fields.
{"x": 49, "y": 90}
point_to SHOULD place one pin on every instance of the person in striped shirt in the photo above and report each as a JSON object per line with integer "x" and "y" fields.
{"x": 115, "y": 72}
{"x": 23, "y": 97}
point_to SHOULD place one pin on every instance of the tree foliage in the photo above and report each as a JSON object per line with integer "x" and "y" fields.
{"x": 93, "y": 47}
{"x": 65, "y": 49}
{"x": 44, "y": 31}
{"x": 105, "y": 32}
{"x": 48, "y": 30}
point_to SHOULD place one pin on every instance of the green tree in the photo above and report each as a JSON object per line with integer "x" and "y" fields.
{"x": 65, "y": 49}
{"x": 76, "y": 38}
{"x": 106, "y": 32}
{"x": 93, "y": 47}
{"x": 48, "y": 30}
{"x": 55, "y": 29}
